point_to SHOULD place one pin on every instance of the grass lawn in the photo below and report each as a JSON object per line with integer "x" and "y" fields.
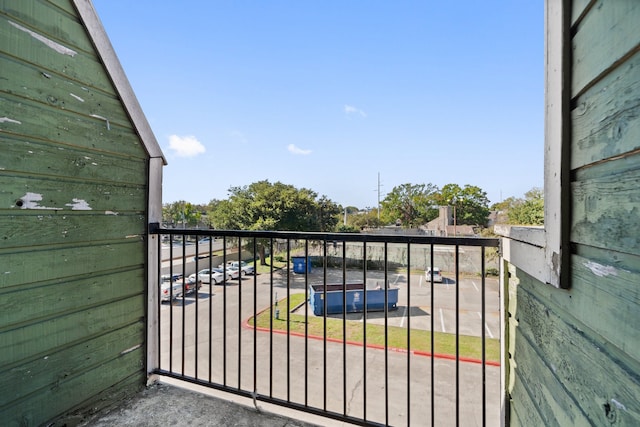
{"x": 469, "y": 346}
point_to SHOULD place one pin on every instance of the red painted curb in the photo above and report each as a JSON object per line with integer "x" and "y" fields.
{"x": 246, "y": 325}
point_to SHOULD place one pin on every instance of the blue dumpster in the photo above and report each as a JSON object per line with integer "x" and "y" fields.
{"x": 300, "y": 264}
{"x": 335, "y": 297}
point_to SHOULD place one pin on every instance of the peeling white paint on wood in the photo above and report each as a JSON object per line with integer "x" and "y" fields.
{"x": 48, "y": 42}
{"x": 79, "y": 205}
{"x": 102, "y": 118}
{"x": 76, "y": 97}
{"x": 6, "y": 119}
{"x": 601, "y": 270}
{"x": 129, "y": 350}
{"x": 30, "y": 201}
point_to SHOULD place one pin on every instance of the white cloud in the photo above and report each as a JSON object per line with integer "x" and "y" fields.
{"x": 185, "y": 146}
{"x": 295, "y": 150}
{"x": 350, "y": 109}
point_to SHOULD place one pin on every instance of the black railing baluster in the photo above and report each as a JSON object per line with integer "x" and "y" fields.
{"x": 306, "y": 324}
{"x": 386, "y": 333}
{"x": 224, "y": 311}
{"x": 324, "y": 328}
{"x": 255, "y": 319}
{"x": 433, "y": 371}
{"x": 271, "y": 314}
{"x": 457, "y": 267}
{"x": 344, "y": 328}
{"x": 184, "y": 292}
{"x": 239, "y": 314}
{"x": 408, "y": 334}
{"x": 364, "y": 336}
{"x": 171, "y": 304}
{"x": 288, "y": 321}
{"x": 210, "y": 309}
{"x": 195, "y": 293}
{"x": 158, "y": 287}
{"x": 483, "y": 320}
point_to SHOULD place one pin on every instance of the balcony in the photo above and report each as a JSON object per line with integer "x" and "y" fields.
{"x": 424, "y": 352}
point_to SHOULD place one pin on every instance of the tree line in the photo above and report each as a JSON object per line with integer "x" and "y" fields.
{"x": 264, "y": 205}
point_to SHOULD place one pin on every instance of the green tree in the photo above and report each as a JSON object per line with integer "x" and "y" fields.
{"x": 274, "y": 206}
{"x": 181, "y": 213}
{"x": 410, "y": 204}
{"x": 471, "y": 203}
{"x": 366, "y": 219}
{"x": 529, "y": 211}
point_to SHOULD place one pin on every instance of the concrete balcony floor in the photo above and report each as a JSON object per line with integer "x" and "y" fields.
{"x": 172, "y": 403}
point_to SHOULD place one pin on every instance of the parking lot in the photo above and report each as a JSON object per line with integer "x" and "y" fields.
{"x": 221, "y": 347}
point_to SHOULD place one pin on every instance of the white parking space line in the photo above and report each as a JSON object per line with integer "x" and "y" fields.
{"x": 403, "y": 317}
{"x": 486, "y": 326}
{"x": 474, "y": 285}
{"x": 442, "y": 320}
{"x": 396, "y": 281}
{"x": 420, "y": 280}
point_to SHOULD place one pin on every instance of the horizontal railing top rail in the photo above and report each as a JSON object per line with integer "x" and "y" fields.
{"x": 155, "y": 228}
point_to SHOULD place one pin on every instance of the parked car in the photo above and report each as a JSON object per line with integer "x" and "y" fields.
{"x": 213, "y": 276}
{"x": 232, "y": 272}
{"x": 242, "y": 266}
{"x": 169, "y": 289}
{"x": 437, "y": 275}
{"x": 191, "y": 284}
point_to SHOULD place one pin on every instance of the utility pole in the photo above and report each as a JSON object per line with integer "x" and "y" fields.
{"x": 378, "y": 196}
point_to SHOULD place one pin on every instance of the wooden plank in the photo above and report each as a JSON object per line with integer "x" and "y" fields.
{"x": 605, "y": 298}
{"x": 121, "y": 377}
{"x": 38, "y": 158}
{"x": 605, "y": 207}
{"x": 32, "y": 304}
{"x": 35, "y": 228}
{"x": 36, "y": 14}
{"x": 554, "y": 405}
{"x": 27, "y": 81}
{"x": 605, "y": 121}
{"x": 53, "y": 57}
{"x": 19, "y": 346}
{"x": 606, "y": 35}
{"x": 598, "y": 383}
{"x": 523, "y": 409}
{"x": 578, "y": 8}
{"x": 38, "y": 375}
{"x": 42, "y": 265}
{"x": 67, "y": 195}
{"x": 66, "y": 129}
{"x": 64, "y": 5}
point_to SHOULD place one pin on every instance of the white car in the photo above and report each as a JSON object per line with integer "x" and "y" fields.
{"x": 232, "y": 272}
{"x": 437, "y": 275}
{"x": 213, "y": 276}
{"x": 242, "y": 266}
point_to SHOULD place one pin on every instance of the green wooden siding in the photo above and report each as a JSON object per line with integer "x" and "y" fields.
{"x": 74, "y": 189}
{"x": 574, "y": 355}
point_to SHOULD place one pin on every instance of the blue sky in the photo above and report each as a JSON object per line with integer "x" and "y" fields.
{"x": 328, "y": 94}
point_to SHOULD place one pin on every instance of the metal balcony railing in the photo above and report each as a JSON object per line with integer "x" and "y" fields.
{"x": 351, "y": 327}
